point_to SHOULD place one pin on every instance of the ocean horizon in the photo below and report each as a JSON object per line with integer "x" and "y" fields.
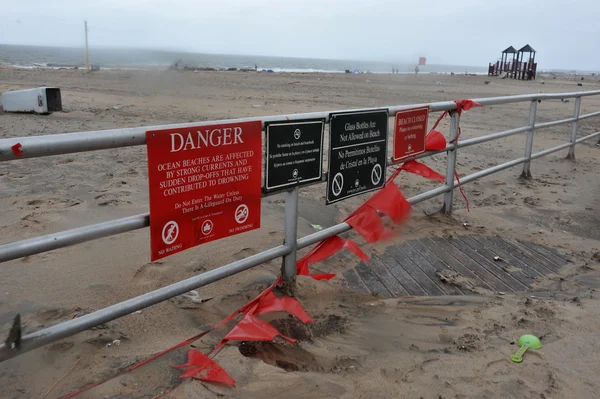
{"x": 130, "y": 58}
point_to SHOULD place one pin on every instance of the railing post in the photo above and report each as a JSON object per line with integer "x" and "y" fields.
{"x": 451, "y": 167}
{"x": 526, "y": 174}
{"x": 288, "y": 269}
{"x": 576, "y": 111}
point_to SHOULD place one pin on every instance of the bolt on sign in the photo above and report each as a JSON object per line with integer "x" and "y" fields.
{"x": 205, "y": 184}
{"x": 410, "y": 132}
{"x": 294, "y": 153}
{"x": 357, "y": 153}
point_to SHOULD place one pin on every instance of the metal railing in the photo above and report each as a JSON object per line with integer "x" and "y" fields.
{"x": 41, "y": 146}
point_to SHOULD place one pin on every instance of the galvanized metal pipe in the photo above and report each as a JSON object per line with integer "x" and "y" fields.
{"x": 32, "y": 246}
{"x": 85, "y": 322}
{"x": 591, "y": 115}
{"x": 58, "y": 240}
{"x": 451, "y": 164}
{"x": 489, "y": 171}
{"x": 71, "y": 327}
{"x": 67, "y": 143}
{"x": 529, "y": 143}
{"x": 492, "y": 136}
{"x": 553, "y": 123}
{"x": 588, "y": 137}
{"x": 54, "y": 241}
{"x": 290, "y": 234}
{"x": 550, "y": 150}
{"x": 576, "y": 110}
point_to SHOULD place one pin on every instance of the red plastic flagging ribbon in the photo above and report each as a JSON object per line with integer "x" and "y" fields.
{"x": 251, "y": 328}
{"x": 201, "y": 367}
{"x": 421, "y": 169}
{"x": 271, "y": 303}
{"x": 369, "y": 225}
{"x": 461, "y": 105}
{"x": 17, "y": 149}
{"x": 366, "y": 221}
{"x": 265, "y": 302}
{"x": 324, "y": 250}
{"x": 391, "y": 202}
{"x": 435, "y": 141}
{"x": 462, "y": 191}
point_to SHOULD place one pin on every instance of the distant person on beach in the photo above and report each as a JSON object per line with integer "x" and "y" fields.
{"x": 416, "y": 69}
{"x": 255, "y": 68}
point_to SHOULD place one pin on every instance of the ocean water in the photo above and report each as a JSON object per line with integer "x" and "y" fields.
{"x": 55, "y": 57}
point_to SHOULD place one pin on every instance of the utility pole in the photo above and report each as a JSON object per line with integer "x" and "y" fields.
{"x": 87, "y": 58}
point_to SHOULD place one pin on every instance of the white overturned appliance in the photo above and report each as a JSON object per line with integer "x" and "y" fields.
{"x": 41, "y": 100}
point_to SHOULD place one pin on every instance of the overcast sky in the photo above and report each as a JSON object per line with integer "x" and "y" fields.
{"x": 467, "y": 32}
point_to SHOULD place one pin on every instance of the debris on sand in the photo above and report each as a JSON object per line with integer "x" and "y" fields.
{"x": 454, "y": 278}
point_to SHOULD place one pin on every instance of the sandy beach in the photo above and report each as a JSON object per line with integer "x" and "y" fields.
{"x": 362, "y": 346}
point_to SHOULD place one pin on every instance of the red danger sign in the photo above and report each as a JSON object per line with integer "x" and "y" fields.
{"x": 410, "y": 132}
{"x": 205, "y": 184}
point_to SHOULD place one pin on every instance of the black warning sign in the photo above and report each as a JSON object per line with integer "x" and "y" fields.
{"x": 357, "y": 153}
{"x": 294, "y": 153}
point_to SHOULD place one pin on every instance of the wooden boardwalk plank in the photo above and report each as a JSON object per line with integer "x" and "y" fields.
{"x": 481, "y": 271}
{"x": 415, "y": 272}
{"x": 519, "y": 253}
{"x": 354, "y": 282}
{"x": 371, "y": 280}
{"x": 417, "y": 250}
{"x": 428, "y": 269}
{"x": 507, "y": 279}
{"x": 453, "y": 263}
{"x": 504, "y": 254}
{"x": 498, "y": 266}
{"x": 390, "y": 282}
{"x": 402, "y": 275}
{"x": 411, "y": 268}
{"x": 537, "y": 249}
{"x": 565, "y": 258}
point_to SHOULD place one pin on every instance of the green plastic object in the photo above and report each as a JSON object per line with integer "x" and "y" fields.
{"x": 525, "y": 342}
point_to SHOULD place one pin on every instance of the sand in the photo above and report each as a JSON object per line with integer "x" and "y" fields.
{"x": 430, "y": 347}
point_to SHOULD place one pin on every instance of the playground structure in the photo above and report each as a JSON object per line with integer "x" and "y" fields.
{"x": 515, "y": 68}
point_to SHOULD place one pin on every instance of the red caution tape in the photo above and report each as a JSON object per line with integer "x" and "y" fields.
{"x": 462, "y": 191}
{"x": 422, "y": 170}
{"x": 435, "y": 141}
{"x": 322, "y": 276}
{"x": 368, "y": 224}
{"x": 324, "y": 250}
{"x": 201, "y": 367}
{"x": 17, "y": 149}
{"x": 353, "y": 247}
{"x": 251, "y": 328}
{"x": 271, "y": 303}
{"x": 391, "y": 202}
{"x": 465, "y": 105}
{"x": 250, "y": 306}
{"x": 140, "y": 364}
